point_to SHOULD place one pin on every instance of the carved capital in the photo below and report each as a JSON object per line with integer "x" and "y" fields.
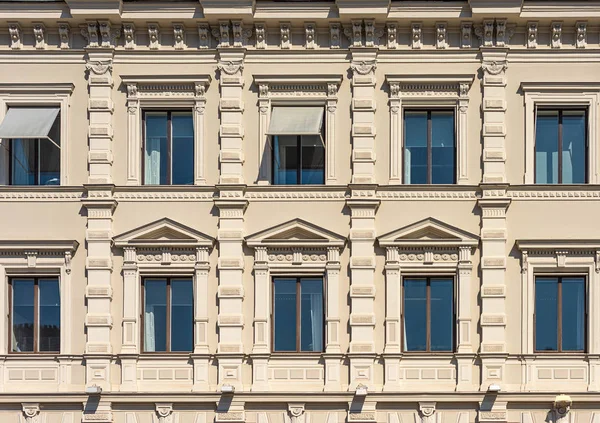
{"x": 31, "y": 412}
{"x": 164, "y": 412}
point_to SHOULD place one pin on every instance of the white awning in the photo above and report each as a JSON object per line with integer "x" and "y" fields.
{"x": 28, "y": 122}
{"x": 296, "y": 121}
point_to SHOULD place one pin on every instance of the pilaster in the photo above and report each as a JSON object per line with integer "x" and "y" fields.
{"x": 201, "y": 354}
{"x": 363, "y": 65}
{"x": 231, "y": 205}
{"x": 363, "y": 206}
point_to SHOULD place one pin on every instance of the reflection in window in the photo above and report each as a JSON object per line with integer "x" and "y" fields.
{"x": 298, "y": 160}
{"x": 428, "y": 314}
{"x": 168, "y": 315}
{"x": 560, "y": 146}
{"x": 560, "y": 313}
{"x": 429, "y": 147}
{"x": 298, "y": 314}
{"x": 169, "y": 148}
{"x": 35, "y": 315}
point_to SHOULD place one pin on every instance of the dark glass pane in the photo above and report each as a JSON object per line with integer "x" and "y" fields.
{"x": 23, "y": 162}
{"x": 22, "y": 315}
{"x": 546, "y": 147}
{"x": 415, "y": 150}
{"x": 183, "y": 148}
{"x": 50, "y": 157}
{"x": 285, "y": 160}
{"x": 573, "y": 313}
{"x": 155, "y": 315}
{"x": 313, "y": 160}
{"x": 442, "y": 315}
{"x": 182, "y": 315}
{"x": 284, "y": 314}
{"x": 49, "y": 320}
{"x": 311, "y": 314}
{"x": 155, "y": 164}
{"x": 442, "y": 147}
{"x": 546, "y": 314}
{"x": 415, "y": 315}
{"x": 573, "y": 147}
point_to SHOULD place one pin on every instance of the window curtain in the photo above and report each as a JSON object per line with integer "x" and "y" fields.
{"x": 580, "y": 315}
{"x": 316, "y": 318}
{"x": 567, "y": 164}
{"x": 152, "y": 163}
{"x": 22, "y": 151}
{"x": 407, "y": 168}
{"x": 149, "y": 339}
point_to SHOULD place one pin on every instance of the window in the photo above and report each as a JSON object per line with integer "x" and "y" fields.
{"x": 561, "y": 146}
{"x": 34, "y": 314}
{"x": 168, "y": 315}
{"x": 168, "y": 148}
{"x": 428, "y": 314}
{"x": 560, "y": 313}
{"x": 33, "y": 144}
{"x": 429, "y": 147}
{"x": 298, "y": 314}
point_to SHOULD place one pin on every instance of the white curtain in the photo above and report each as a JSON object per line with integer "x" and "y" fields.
{"x": 580, "y": 315}
{"x": 406, "y": 166}
{"x": 316, "y": 318}
{"x": 567, "y": 165}
{"x": 152, "y": 162}
{"x": 149, "y": 339}
{"x": 21, "y": 167}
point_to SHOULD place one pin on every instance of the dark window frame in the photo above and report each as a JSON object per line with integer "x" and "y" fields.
{"x": 168, "y": 305}
{"x": 169, "y": 113}
{"x": 298, "y": 314}
{"x": 36, "y": 314}
{"x": 429, "y": 142}
{"x": 560, "y": 110}
{"x": 428, "y": 321}
{"x": 559, "y": 314}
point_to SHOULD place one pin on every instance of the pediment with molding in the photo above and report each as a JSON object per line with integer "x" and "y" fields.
{"x": 428, "y": 232}
{"x": 296, "y": 233}
{"x": 163, "y": 233}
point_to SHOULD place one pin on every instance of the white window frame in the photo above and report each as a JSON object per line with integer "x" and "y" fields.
{"x": 43, "y": 94}
{"x": 164, "y": 92}
{"x": 414, "y": 92}
{"x": 556, "y": 95}
{"x": 284, "y": 90}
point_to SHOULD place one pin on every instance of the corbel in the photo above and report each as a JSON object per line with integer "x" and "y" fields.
{"x": 260, "y": 28}
{"x": 68, "y": 257}
{"x": 31, "y": 412}
{"x": 561, "y": 408}
{"x": 581, "y": 34}
{"x": 417, "y": 35}
{"x": 427, "y": 411}
{"x": 39, "y": 35}
{"x": 240, "y": 35}
{"x": 466, "y": 31}
{"x": 179, "y": 36}
{"x": 334, "y": 35}
{"x": 129, "y": 35}
{"x": 16, "y": 36}
{"x": 392, "y": 35}
{"x": 64, "y": 33}
{"x": 485, "y": 33}
{"x": 89, "y": 31}
{"x": 357, "y": 33}
{"x": 31, "y": 258}
{"x": 597, "y": 261}
{"x": 556, "y": 34}
{"x": 164, "y": 411}
{"x": 372, "y": 33}
{"x": 203, "y": 35}
{"x": 154, "y": 36}
{"x": 524, "y": 261}
{"x": 561, "y": 258}
{"x": 296, "y": 412}
{"x": 222, "y": 34}
{"x": 109, "y": 34}
{"x": 310, "y": 30}
{"x": 532, "y": 34}
{"x": 441, "y": 36}
{"x": 285, "y": 29}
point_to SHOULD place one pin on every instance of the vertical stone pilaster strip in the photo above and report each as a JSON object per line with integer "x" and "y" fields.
{"x": 393, "y": 312}
{"x": 462, "y": 136}
{"x": 133, "y": 136}
{"x": 465, "y": 355}
{"x": 199, "y": 132}
{"x": 262, "y": 332}
{"x": 395, "y": 134}
{"x": 130, "y": 347}
{"x": 264, "y": 151}
{"x": 330, "y": 142}
{"x": 333, "y": 352}
{"x": 201, "y": 353}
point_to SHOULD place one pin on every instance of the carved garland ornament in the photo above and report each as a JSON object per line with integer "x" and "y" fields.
{"x": 99, "y": 67}
{"x": 364, "y": 68}
{"x": 231, "y": 68}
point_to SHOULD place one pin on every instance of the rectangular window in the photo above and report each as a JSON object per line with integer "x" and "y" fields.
{"x": 298, "y": 160}
{"x": 560, "y": 313}
{"x": 168, "y": 315}
{"x": 168, "y": 148}
{"x": 428, "y": 314}
{"x": 34, "y": 315}
{"x": 429, "y": 147}
{"x": 298, "y": 314}
{"x": 561, "y": 146}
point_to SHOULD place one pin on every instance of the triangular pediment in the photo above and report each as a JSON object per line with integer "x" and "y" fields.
{"x": 164, "y": 232}
{"x": 428, "y": 231}
{"x": 295, "y": 232}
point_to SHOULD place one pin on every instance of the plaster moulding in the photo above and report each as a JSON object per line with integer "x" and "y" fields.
{"x": 428, "y": 232}
{"x": 163, "y": 233}
{"x": 295, "y": 233}
{"x": 297, "y": 85}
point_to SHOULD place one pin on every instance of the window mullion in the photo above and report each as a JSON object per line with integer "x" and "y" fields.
{"x": 36, "y": 300}
{"x": 559, "y": 314}
{"x": 428, "y": 312}
{"x": 429, "y": 152}
{"x": 169, "y": 148}
{"x": 36, "y": 165}
{"x": 298, "y": 314}
{"x": 168, "y": 314}
{"x": 299, "y": 160}
{"x": 560, "y": 136}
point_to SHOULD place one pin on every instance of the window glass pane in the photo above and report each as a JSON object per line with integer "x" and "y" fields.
{"x": 285, "y": 160}
{"x": 49, "y": 320}
{"x": 442, "y": 314}
{"x": 546, "y": 147}
{"x": 182, "y": 315}
{"x": 49, "y": 163}
{"x": 415, "y": 315}
{"x": 546, "y": 314}
{"x": 155, "y": 315}
{"x": 573, "y": 313}
{"x": 22, "y": 315}
{"x": 183, "y": 148}
{"x": 311, "y": 314}
{"x": 285, "y": 315}
{"x": 442, "y": 147}
{"x": 155, "y": 165}
{"x": 415, "y": 151}
{"x": 313, "y": 160}
{"x": 573, "y": 147}
{"x": 23, "y": 162}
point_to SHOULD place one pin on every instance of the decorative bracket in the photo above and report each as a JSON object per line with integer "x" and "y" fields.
{"x": 31, "y": 412}
{"x": 164, "y": 411}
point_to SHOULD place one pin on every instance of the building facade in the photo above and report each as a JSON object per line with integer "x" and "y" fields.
{"x": 299, "y": 212}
